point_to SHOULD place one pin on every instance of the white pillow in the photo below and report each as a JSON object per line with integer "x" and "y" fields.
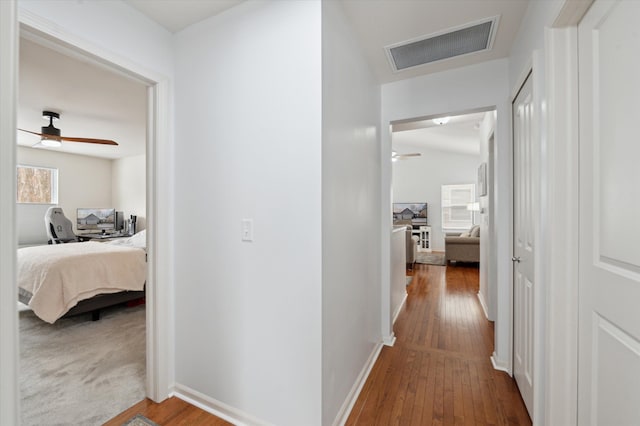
{"x": 139, "y": 240}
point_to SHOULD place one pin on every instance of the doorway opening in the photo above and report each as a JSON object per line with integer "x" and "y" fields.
{"x": 141, "y": 201}
{"x": 445, "y": 163}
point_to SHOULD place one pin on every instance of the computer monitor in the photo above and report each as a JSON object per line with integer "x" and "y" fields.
{"x": 96, "y": 219}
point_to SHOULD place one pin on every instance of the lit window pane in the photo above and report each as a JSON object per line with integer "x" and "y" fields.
{"x": 37, "y": 185}
{"x": 455, "y": 199}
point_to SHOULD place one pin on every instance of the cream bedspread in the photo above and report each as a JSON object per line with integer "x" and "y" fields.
{"x": 59, "y": 276}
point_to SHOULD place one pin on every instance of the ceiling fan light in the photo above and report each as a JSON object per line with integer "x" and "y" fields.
{"x": 442, "y": 120}
{"x": 52, "y": 143}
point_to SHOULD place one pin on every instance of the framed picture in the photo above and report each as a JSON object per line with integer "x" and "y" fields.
{"x": 482, "y": 180}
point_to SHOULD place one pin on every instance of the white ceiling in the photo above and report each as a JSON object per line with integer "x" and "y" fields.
{"x": 377, "y": 23}
{"x": 92, "y": 101}
{"x": 176, "y": 15}
{"x": 460, "y": 135}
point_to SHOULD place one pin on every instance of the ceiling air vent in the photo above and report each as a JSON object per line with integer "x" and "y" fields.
{"x": 474, "y": 37}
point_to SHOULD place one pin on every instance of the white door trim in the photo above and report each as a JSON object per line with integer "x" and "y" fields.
{"x": 9, "y": 400}
{"x": 159, "y": 204}
{"x": 539, "y": 217}
{"x": 561, "y": 273}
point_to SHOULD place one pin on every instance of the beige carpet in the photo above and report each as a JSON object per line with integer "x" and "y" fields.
{"x": 81, "y": 372}
{"x": 433, "y": 258}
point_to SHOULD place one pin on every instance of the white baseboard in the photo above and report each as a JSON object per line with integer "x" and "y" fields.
{"x": 484, "y": 306}
{"x": 499, "y": 365}
{"x": 397, "y": 312}
{"x": 215, "y": 407}
{"x": 389, "y": 340}
{"x": 352, "y": 397}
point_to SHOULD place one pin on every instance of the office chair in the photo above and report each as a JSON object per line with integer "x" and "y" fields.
{"x": 59, "y": 229}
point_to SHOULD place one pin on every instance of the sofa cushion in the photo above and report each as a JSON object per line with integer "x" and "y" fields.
{"x": 461, "y": 240}
{"x": 464, "y": 234}
{"x": 475, "y": 231}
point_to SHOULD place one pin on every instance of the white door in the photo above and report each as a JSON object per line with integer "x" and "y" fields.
{"x": 523, "y": 242}
{"x": 609, "y": 248}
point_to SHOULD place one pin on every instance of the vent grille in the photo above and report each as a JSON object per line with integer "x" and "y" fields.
{"x": 460, "y": 41}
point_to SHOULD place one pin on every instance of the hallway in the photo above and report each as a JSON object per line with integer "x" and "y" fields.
{"x": 439, "y": 371}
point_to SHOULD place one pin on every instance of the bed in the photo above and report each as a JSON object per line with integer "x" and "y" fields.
{"x": 66, "y": 279}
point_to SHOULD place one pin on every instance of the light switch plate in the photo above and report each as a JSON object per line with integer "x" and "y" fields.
{"x": 247, "y": 229}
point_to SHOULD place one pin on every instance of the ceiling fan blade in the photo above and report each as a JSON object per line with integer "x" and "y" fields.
{"x": 403, "y": 156}
{"x": 72, "y": 139}
{"x": 33, "y": 133}
{"x": 89, "y": 140}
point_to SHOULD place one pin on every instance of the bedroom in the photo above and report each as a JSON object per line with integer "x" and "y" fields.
{"x": 93, "y": 102}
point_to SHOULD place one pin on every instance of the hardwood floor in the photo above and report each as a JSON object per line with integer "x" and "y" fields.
{"x": 439, "y": 372}
{"x": 170, "y": 412}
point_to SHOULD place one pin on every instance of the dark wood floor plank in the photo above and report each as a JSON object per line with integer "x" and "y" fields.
{"x": 439, "y": 370}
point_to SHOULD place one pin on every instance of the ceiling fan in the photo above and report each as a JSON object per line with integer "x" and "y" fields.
{"x": 50, "y": 135}
{"x": 396, "y": 156}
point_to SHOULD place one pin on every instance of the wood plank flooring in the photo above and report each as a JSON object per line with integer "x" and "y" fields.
{"x": 439, "y": 371}
{"x": 170, "y": 412}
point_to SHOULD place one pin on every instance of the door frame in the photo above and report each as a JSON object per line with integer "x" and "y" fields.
{"x": 534, "y": 67}
{"x": 158, "y": 204}
{"x": 561, "y": 376}
{"x": 534, "y": 176}
{"x": 9, "y": 399}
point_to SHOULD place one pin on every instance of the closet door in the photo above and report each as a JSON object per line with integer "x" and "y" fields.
{"x": 523, "y": 242}
{"x": 609, "y": 248}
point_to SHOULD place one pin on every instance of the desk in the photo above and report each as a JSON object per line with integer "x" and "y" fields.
{"x": 100, "y": 237}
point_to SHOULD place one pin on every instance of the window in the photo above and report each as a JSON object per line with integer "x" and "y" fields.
{"x": 37, "y": 185}
{"x": 455, "y": 199}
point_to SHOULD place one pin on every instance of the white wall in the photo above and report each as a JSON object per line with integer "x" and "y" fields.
{"x": 129, "y": 188}
{"x": 419, "y": 179}
{"x": 350, "y": 214}
{"x": 488, "y": 291}
{"x": 460, "y": 90}
{"x": 248, "y": 145}
{"x": 82, "y": 182}
{"x": 529, "y": 50}
{"x": 112, "y": 25}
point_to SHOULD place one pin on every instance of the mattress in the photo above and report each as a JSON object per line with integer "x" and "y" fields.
{"x": 52, "y": 279}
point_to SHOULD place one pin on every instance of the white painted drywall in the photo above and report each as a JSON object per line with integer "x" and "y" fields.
{"x": 112, "y": 25}
{"x": 419, "y": 179}
{"x": 460, "y": 90}
{"x": 398, "y": 269}
{"x": 529, "y": 51}
{"x": 248, "y": 135}
{"x": 350, "y": 214}
{"x": 82, "y": 182}
{"x": 531, "y": 37}
{"x": 129, "y": 188}
{"x": 487, "y": 291}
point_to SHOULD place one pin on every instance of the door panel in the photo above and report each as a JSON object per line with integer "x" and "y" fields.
{"x": 609, "y": 271}
{"x": 523, "y": 242}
